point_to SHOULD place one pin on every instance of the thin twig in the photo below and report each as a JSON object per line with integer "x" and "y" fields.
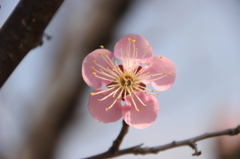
{"x": 139, "y": 150}
{"x": 114, "y": 149}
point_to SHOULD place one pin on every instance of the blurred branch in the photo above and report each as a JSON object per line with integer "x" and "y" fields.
{"x": 139, "y": 150}
{"x": 61, "y": 98}
{"x": 23, "y": 31}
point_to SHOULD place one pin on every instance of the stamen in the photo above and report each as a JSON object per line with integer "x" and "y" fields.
{"x": 147, "y": 64}
{"x": 146, "y": 91}
{"x": 143, "y": 68}
{"x": 115, "y": 67}
{"x": 132, "y": 100}
{"x": 164, "y": 75}
{"x": 138, "y": 98}
{"x": 115, "y": 92}
{"x": 107, "y": 96}
{"x": 108, "y": 70}
{"x": 95, "y": 74}
{"x": 120, "y": 94}
{"x": 139, "y": 86}
{"x": 134, "y": 59}
{"x": 125, "y": 92}
{"x": 111, "y": 104}
{"x": 145, "y": 52}
{"x": 144, "y": 76}
{"x": 104, "y": 73}
{"x": 94, "y": 93}
{"x": 114, "y": 85}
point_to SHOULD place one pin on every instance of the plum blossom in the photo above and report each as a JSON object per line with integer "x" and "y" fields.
{"x": 126, "y": 82}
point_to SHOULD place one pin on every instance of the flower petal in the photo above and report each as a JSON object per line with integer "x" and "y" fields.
{"x": 159, "y": 65}
{"x": 98, "y": 108}
{"x": 121, "y": 47}
{"x": 147, "y": 114}
{"x": 87, "y": 71}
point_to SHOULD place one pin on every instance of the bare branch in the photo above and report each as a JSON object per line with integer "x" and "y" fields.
{"x": 139, "y": 150}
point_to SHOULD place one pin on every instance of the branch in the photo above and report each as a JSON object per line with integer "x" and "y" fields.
{"x": 139, "y": 150}
{"x": 114, "y": 149}
{"x": 23, "y": 31}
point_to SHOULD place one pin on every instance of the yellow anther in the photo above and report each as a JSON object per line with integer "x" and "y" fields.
{"x": 160, "y": 57}
{"x": 101, "y": 46}
{"x": 120, "y": 45}
{"x": 100, "y": 54}
{"x": 106, "y": 53}
{"x": 106, "y": 109}
{"x": 145, "y": 105}
{"x": 92, "y": 67}
{"x": 149, "y": 46}
{"x": 129, "y": 39}
{"x": 136, "y": 49}
{"x": 133, "y": 41}
{"x": 94, "y": 73}
{"x": 99, "y": 99}
{"x": 94, "y": 61}
{"x": 168, "y": 73}
{"x": 137, "y": 110}
{"x": 92, "y": 94}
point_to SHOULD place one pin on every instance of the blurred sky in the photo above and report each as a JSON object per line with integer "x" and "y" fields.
{"x": 201, "y": 37}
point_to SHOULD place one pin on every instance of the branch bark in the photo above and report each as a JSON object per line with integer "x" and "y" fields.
{"x": 23, "y": 31}
{"x": 191, "y": 142}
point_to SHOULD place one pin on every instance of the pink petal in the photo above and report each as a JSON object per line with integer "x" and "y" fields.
{"x": 162, "y": 65}
{"x": 87, "y": 71}
{"x": 98, "y": 108}
{"x": 146, "y": 116}
{"x": 141, "y": 43}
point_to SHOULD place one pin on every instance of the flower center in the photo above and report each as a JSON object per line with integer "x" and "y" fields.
{"x": 126, "y": 80}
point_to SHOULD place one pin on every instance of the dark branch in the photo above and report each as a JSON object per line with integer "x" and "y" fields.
{"x": 23, "y": 31}
{"x": 139, "y": 150}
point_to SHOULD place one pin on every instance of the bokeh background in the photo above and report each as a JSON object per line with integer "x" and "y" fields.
{"x": 202, "y": 38}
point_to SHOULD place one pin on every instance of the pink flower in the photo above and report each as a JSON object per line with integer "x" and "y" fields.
{"x": 126, "y": 83}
